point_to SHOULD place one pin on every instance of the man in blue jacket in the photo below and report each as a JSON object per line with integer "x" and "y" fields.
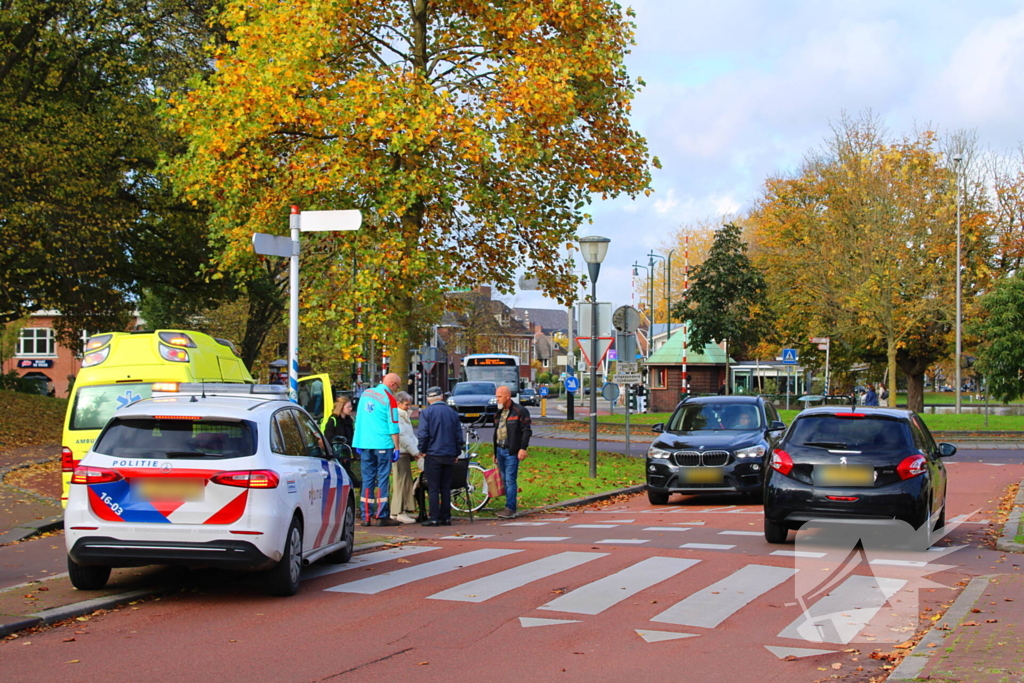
{"x": 440, "y": 440}
{"x": 376, "y": 439}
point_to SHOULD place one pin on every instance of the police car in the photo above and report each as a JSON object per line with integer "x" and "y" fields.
{"x": 221, "y": 475}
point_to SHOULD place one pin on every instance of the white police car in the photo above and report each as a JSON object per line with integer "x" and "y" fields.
{"x": 222, "y": 475}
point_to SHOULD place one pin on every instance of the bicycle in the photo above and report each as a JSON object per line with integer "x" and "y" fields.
{"x": 469, "y": 492}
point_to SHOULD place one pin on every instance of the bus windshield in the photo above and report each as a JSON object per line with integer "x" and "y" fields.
{"x": 94, "y": 405}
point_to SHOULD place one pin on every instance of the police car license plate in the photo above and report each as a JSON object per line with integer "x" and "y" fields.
{"x": 169, "y": 489}
{"x": 701, "y": 475}
{"x": 844, "y": 475}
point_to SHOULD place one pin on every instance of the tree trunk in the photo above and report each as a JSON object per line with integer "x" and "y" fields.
{"x": 890, "y": 352}
{"x": 913, "y": 368}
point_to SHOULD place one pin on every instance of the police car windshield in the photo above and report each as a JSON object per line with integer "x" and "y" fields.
{"x": 168, "y": 439}
{"x": 94, "y": 405}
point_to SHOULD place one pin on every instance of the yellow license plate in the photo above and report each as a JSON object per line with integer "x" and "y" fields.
{"x": 163, "y": 489}
{"x": 844, "y": 475}
{"x": 472, "y": 414}
{"x": 701, "y": 475}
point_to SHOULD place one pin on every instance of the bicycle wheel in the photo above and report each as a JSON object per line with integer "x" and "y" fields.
{"x": 474, "y": 496}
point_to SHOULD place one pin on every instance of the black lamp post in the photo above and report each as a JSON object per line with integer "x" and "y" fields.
{"x": 594, "y": 250}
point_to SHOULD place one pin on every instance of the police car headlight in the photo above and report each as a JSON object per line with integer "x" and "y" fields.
{"x": 751, "y": 452}
{"x": 658, "y": 453}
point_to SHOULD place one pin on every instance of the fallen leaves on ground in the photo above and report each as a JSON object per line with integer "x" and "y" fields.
{"x": 30, "y": 420}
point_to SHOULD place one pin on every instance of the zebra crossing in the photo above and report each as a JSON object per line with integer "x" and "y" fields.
{"x": 835, "y": 616}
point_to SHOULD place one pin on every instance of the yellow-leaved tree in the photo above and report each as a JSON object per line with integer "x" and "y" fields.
{"x": 471, "y": 134}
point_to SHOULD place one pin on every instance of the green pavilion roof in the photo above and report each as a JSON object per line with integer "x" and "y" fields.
{"x": 671, "y": 353}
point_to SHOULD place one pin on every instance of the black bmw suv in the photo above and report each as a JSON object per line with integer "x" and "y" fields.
{"x": 712, "y": 444}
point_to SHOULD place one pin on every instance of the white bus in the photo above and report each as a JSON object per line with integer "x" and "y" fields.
{"x": 500, "y": 368}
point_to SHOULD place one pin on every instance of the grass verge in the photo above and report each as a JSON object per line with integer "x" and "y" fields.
{"x": 30, "y": 419}
{"x": 552, "y": 475}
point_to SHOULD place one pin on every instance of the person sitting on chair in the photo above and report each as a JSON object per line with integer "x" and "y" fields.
{"x": 440, "y": 441}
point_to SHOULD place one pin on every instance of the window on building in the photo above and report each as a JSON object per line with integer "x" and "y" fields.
{"x": 36, "y": 341}
{"x": 659, "y": 377}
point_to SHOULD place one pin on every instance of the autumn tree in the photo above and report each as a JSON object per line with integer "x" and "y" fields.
{"x": 690, "y": 243}
{"x": 1001, "y": 333}
{"x": 728, "y": 299}
{"x": 859, "y": 245}
{"x": 472, "y": 135}
{"x": 86, "y": 222}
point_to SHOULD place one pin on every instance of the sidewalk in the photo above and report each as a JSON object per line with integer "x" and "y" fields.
{"x": 24, "y": 513}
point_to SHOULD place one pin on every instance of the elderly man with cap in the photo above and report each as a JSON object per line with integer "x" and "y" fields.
{"x": 376, "y": 439}
{"x": 441, "y": 441}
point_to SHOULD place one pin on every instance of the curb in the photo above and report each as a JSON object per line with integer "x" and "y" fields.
{"x": 78, "y": 609}
{"x": 1012, "y": 526}
{"x": 591, "y": 499}
{"x": 914, "y": 663}
{"x": 23, "y": 531}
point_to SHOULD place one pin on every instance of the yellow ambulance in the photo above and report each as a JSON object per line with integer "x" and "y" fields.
{"x": 119, "y": 368}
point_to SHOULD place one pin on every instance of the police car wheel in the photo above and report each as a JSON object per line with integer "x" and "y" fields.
{"x": 348, "y": 534}
{"x": 283, "y": 579}
{"x": 87, "y": 578}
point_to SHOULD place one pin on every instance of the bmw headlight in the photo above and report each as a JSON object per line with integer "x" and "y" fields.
{"x": 658, "y": 453}
{"x": 751, "y": 452}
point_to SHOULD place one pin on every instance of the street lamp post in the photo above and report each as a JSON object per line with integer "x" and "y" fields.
{"x": 650, "y": 312}
{"x": 958, "y": 163}
{"x": 594, "y": 250}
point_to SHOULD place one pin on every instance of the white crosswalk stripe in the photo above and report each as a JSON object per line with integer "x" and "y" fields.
{"x": 372, "y": 585}
{"x": 502, "y": 582}
{"x": 597, "y": 596}
{"x": 366, "y": 560}
{"x": 839, "y": 616}
{"x": 711, "y": 606}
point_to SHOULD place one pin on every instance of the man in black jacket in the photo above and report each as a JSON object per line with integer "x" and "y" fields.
{"x": 440, "y": 441}
{"x": 512, "y": 432}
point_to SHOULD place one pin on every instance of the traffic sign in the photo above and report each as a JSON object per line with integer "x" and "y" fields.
{"x": 822, "y": 347}
{"x": 610, "y": 392}
{"x": 572, "y": 384}
{"x": 603, "y": 344}
{"x": 625, "y": 368}
{"x": 819, "y": 340}
{"x": 626, "y": 319}
{"x": 789, "y": 356}
{"x": 428, "y": 366}
{"x": 628, "y": 378}
{"x": 543, "y": 391}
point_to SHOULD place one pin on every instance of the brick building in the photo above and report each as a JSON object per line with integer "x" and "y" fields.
{"x": 706, "y": 371}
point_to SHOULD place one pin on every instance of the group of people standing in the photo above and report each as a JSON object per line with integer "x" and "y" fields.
{"x": 381, "y": 431}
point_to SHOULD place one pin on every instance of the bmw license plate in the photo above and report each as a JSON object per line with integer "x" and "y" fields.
{"x": 164, "y": 489}
{"x": 844, "y": 475}
{"x": 701, "y": 475}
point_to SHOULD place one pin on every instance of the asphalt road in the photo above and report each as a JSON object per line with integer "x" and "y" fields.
{"x": 684, "y": 592}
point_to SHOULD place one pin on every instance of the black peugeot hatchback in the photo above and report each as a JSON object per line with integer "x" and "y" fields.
{"x": 860, "y": 465}
{"x": 712, "y": 444}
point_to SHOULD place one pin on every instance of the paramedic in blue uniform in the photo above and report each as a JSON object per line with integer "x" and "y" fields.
{"x": 440, "y": 440}
{"x": 376, "y": 439}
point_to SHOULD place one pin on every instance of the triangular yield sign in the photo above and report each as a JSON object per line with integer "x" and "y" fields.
{"x": 783, "y": 652}
{"x": 527, "y": 622}
{"x": 658, "y": 636}
{"x": 603, "y": 344}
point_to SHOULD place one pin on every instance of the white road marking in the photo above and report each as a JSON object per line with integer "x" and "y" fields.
{"x": 502, "y": 582}
{"x": 664, "y": 528}
{"x": 620, "y": 521}
{"x": 554, "y": 519}
{"x": 316, "y": 571}
{"x": 689, "y": 523}
{"x": 899, "y": 563}
{"x": 624, "y": 541}
{"x": 797, "y": 553}
{"x": 839, "y": 616}
{"x": 740, "y": 533}
{"x": 466, "y": 537}
{"x": 372, "y": 585}
{"x": 597, "y": 596}
{"x": 528, "y": 622}
{"x": 706, "y": 546}
{"x": 783, "y": 652}
{"x": 540, "y": 539}
{"x": 659, "y": 636}
{"x": 593, "y": 526}
{"x": 525, "y": 524}
{"x": 711, "y": 606}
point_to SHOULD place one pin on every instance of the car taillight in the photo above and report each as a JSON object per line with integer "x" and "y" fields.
{"x": 781, "y": 462}
{"x": 96, "y": 357}
{"x": 248, "y": 479}
{"x": 67, "y": 460}
{"x": 173, "y": 354}
{"x": 95, "y": 475}
{"x": 912, "y": 466}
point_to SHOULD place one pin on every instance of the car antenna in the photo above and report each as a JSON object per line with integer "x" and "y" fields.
{"x": 203, "y": 383}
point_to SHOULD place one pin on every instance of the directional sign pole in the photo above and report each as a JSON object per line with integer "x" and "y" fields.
{"x": 294, "y": 223}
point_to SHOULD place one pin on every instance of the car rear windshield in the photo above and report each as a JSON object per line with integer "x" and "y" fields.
{"x": 860, "y": 434}
{"x": 694, "y": 417}
{"x": 168, "y": 439}
{"x": 466, "y": 388}
{"x": 94, "y": 405}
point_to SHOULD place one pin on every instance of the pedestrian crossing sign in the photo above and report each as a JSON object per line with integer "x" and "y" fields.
{"x": 789, "y": 356}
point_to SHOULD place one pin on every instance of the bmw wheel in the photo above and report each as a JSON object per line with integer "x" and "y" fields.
{"x": 656, "y": 497}
{"x": 283, "y": 579}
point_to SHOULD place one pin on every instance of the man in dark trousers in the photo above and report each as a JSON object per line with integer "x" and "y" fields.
{"x": 440, "y": 440}
{"x": 512, "y": 432}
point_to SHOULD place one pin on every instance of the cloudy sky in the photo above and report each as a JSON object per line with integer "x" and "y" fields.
{"x": 740, "y": 90}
